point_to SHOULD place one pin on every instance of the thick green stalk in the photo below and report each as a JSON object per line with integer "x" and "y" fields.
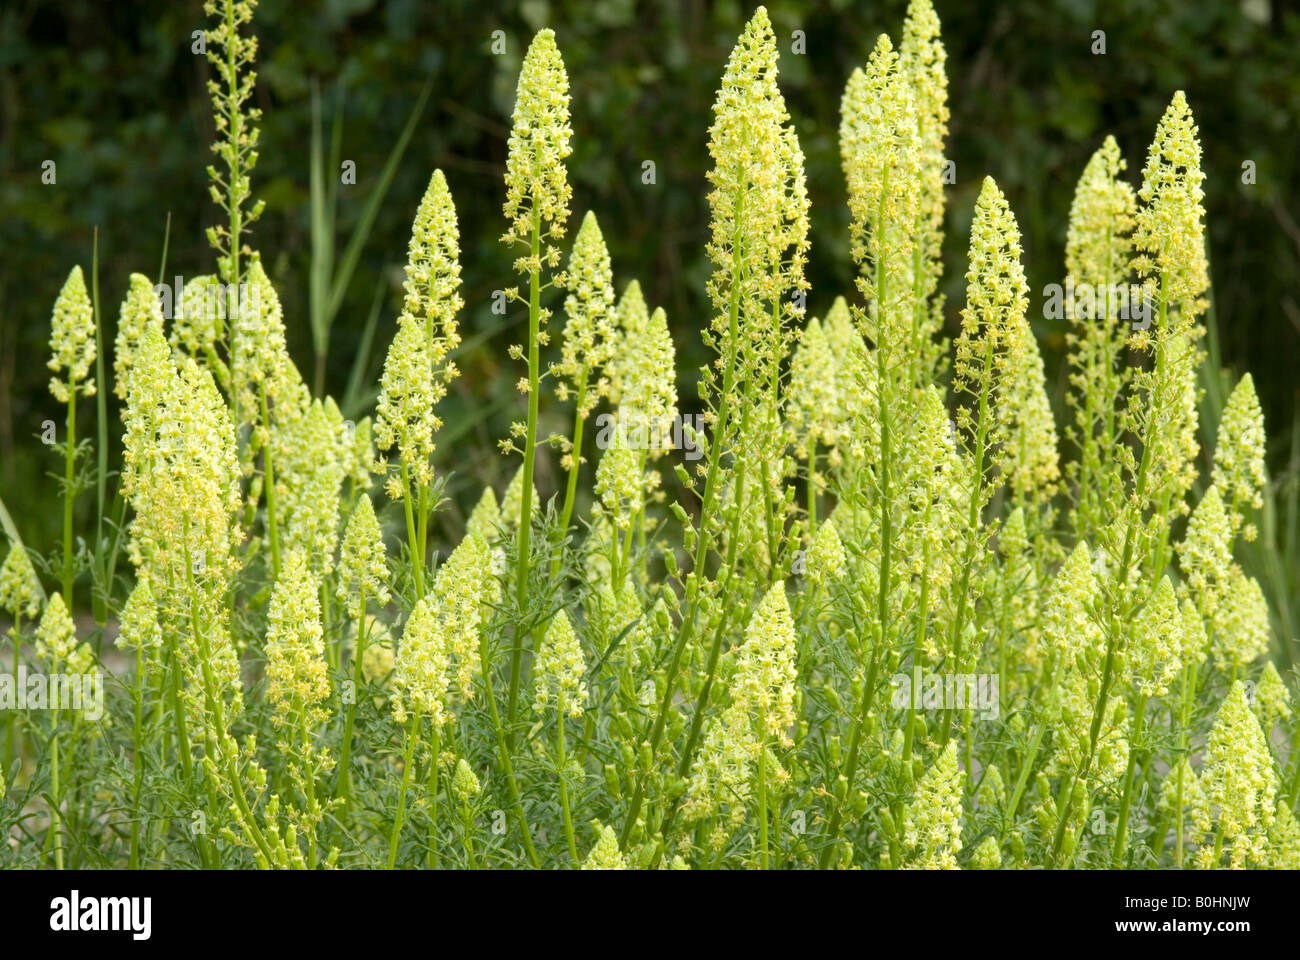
{"x": 436, "y": 748}
{"x": 12, "y": 746}
{"x": 412, "y": 735}
{"x": 137, "y": 757}
{"x": 530, "y": 453}
{"x": 504, "y": 746}
{"x": 343, "y": 790}
{"x": 69, "y": 473}
{"x": 762, "y": 808}
{"x": 56, "y": 825}
{"x": 571, "y": 490}
{"x": 273, "y": 532}
{"x": 564, "y": 787}
{"x": 1121, "y": 825}
{"x": 412, "y": 539}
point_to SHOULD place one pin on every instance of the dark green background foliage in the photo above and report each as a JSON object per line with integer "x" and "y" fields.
{"x": 112, "y": 93}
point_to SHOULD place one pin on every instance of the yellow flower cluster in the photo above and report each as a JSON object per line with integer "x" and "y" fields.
{"x": 1239, "y": 782}
{"x": 537, "y": 184}
{"x": 72, "y": 340}
{"x": 589, "y": 334}
{"x": 560, "y": 670}
{"x": 20, "y": 590}
{"x": 297, "y": 678}
{"x": 363, "y": 562}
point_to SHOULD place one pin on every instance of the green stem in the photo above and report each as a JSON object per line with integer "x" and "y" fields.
{"x": 69, "y": 472}
{"x": 575, "y": 465}
{"x": 56, "y": 825}
{"x": 137, "y": 757}
{"x": 564, "y": 788}
{"x": 1121, "y": 825}
{"x": 530, "y": 452}
{"x": 269, "y": 475}
{"x": 412, "y": 734}
{"x": 504, "y": 747}
{"x": 412, "y": 540}
{"x": 762, "y": 808}
{"x": 343, "y": 791}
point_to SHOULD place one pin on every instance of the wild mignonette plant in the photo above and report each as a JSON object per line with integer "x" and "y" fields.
{"x": 889, "y": 614}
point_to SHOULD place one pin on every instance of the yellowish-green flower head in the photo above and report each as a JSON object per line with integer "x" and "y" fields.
{"x": 432, "y": 284}
{"x": 421, "y": 668}
{"x": 1068, "y": 624}
{"x": 20, "y": 590}
{"x": 199, "y": 318}
{"x": 619, "y": 486}
{"x": 1170, "y": 228}
{"x": 1206, "y": 551}
{"x": 1283, "y": 850}
{"x": 1155, "y": 647}
{"x": 605, "y": 855}
{"x": 765, "y": 669}
{"x": 812, "y": 403}
{"x": 632, "y": 315}
{"x": 485, "y": 519}
{"x": 1239, "y": 781}
{"x": 560, "y": 670}
{"x": 1030, "y": 458}
{"x": 1240, "y": 622}
{"x": 180, "y": 470}
{"x": 1272, "y": 700}
{"x": 826, "y": 560}
{"x": 464, "y": 590}
{"x": 72, "y": 340}
{"x": 464, "y": 783}
{"x": 991, "y": 343}
{"x": 308, "y": 475}
{"x": 404, "y": 414}
{"x": 512, "y": 504}
{"x": 880, "y": 146}
{"x": 987, "y": 855}
{"x": 922, "y": 59}
{"x": 363, "y": 562}
{"x": 932, "y": 821}
{"x": 589, "y": 333}
{"x": 140, "y": 629}
{"x": 1183, "y": 782}
{"x": 1239, "y": 454}
{"x": 56, "y": 637}
{"x": 1097, "y": 244}
{"x": 259, "y": 355}
{"x": 537, "y": 184}
{"x": 1172, "y": 421}
{"x": 297, "y": 677}
{"x": 649, "y": 399}
{"x": 140, "y": 312}
{"x": 355, "y": 452}
{"x": 758, "y": 204}
{"x": 1196, "y": 641}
